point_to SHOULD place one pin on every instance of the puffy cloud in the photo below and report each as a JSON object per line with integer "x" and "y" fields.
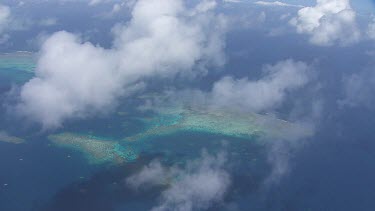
{"x": 328, "y": 22}
{"x": 4, "y": 22}
{"x": 264, "y": 94}
{"x": 72, "y": 79}
{"x": 151, "y": 175}
{"x": 197, "y": 186}
{"x": 276, "y": 3}
{"x": 163, "y": 38}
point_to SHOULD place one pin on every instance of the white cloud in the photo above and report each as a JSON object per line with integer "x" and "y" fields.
{"x": 279, "y": 159}
{"x": 4, "y": 22}
{"x": 119, "y": 3}
{"x": 232, "y": 1}
{"x": 10, "y": 23}
{"x": 116, "y": 8}
{"x": 250, "y": 20}
{"x": 152, "y": 174}
{"x": 276, "y": 3}
{"x": 21, "y": 3}
{"x": 371, "y": 29}
{"x": 195, "y": 187}
{"x": 76, "y": 79}
{"x": 4, "y": 14}
{"x": 205, "y": 5}
{"x": 95, "y": 2}
{"x": 328, "y": 22}
{"x": 264, "y": 94}
{"x": 48, "y": 22}
{"x": 359, "y": 89}
{"x": 285, "y": 80}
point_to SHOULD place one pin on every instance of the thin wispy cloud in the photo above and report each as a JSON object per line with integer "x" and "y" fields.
{"x": 276, "y": 3}
{"x": 4, "y": 22}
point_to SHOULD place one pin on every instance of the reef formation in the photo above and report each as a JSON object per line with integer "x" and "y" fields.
{"x": 5, "y": 137}
{"x": 97, "y": 150}
{"x": 175, "y": 120}
{"x": 172, "y": 120}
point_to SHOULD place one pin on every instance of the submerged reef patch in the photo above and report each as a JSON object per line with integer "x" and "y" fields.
{"x": 97, "y": 150}
{"x": 5, "y": 137}
{"x": 175, "y": 122}
{"x": 21, "y": 60}
{"x": 17, "y": 67}
{"x": 218, "y": 122}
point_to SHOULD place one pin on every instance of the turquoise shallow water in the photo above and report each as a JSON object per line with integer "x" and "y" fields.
{"x": 16, "y": 67}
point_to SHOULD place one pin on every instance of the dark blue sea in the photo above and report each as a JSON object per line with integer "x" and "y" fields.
{"x": 333, "y": 170}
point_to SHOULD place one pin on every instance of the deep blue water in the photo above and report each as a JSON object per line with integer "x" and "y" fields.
{"x": 46, "y": 179}
{"x": 331, "y": 171}
{"x": 334, "y": 170}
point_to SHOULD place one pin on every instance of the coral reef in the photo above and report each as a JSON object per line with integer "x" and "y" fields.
{"x": 97, "y": 150}
{"x": 5, "y": 137}
{"x": 220, "y": 122}
{"x": 173, "y": 120}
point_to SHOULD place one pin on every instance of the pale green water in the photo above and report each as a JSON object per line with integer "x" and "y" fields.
{"x": 5, "y": 137}
{"x": 218, "y": 121}
{"x": 17, "y": 67}
{"x": 24, "y": 61}
{"x": 96, "y": 149}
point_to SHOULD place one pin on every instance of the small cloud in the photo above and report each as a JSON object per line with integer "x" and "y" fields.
{"x": 328, "y": 22}
{"x": 116, "y": 8}
{"x": 276, "y": 3}
{"x": 4, "y": 21}
{"x": 95, "y": 2}
{"x": 358, "y": 89}
{"x": 152, "y": 174}
{"x": 21, "y": 3}
{"x": 371, "y": 29}
{"x": 48, "y": 22}
{"x": 197, "y": 186}
{"x": 232, "y": 1}
{"x": 264, "y": 94}
{"x": 279, "y": 159}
